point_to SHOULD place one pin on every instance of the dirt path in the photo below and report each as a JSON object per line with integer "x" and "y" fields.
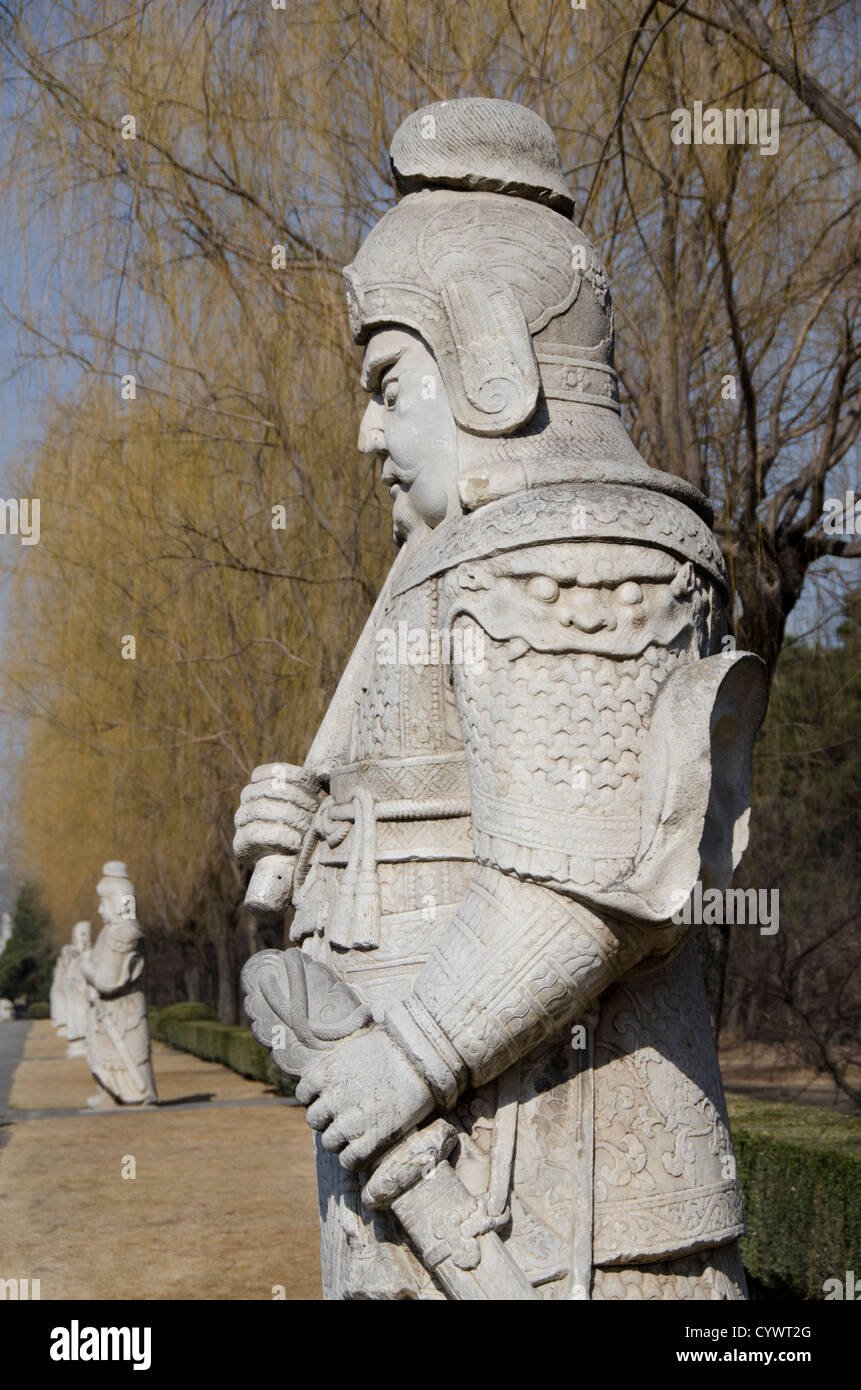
{"x": 222, "y": 1205}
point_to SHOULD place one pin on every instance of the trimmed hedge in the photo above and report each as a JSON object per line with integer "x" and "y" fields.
{"x": 800, "y": 1170}
{"x": 39, "y": 1010}
{"x": 202, "y": 1035}
{"x": 187, "y": 1012}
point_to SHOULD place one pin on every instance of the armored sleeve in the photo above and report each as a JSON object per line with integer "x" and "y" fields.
{"x": 554, "y": 744}
{"x": 519, "y": 963}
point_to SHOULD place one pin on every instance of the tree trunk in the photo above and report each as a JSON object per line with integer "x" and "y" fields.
{"x": 191, "y": 972}
{"x": 223, "y": 941}
{"x": 713, "y": 947}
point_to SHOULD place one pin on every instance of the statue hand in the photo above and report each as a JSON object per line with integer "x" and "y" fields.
{"x": 275, "y": 811}
{"x": 362, "y": 1096}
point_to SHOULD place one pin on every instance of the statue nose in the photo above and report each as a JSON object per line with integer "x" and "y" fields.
{"x": 372, "y": 438}
{"x": 588, "y": 613}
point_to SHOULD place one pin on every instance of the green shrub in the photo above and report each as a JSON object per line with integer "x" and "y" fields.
{"x": 28, "y": 960}
{"x": 800, "y": 1170}
{"x": 187, "y": 1012}
{"x": 218, "y": 1042}
{"x": 39, "y": 1010}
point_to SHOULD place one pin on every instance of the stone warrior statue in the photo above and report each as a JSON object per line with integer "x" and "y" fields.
{"x": 75, "y": 990}
{"x": 118, "y": 1043}
{"x": 500, "y": 1029}
{"x": 57, "y": 993}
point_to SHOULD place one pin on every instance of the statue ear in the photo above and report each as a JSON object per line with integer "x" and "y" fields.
{"x": 495, "y": 391}
{"x": 683, "y": 581}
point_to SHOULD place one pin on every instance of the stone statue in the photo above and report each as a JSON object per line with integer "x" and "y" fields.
{"x": 117, "y": 1033}
{"x": 75, "y": 990}
{"x": 539, "y": 745}
{"x": 6, "y": 929}
{"x": 57, "y": 993}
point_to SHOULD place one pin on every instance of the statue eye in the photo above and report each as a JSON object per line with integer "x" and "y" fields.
{"x": 542, "y": 587}
{"x": 629, "y": 592}
{"x": 390, "y": 394}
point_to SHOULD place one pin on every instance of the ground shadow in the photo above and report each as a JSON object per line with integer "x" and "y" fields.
{"x": 187, "y": 1100}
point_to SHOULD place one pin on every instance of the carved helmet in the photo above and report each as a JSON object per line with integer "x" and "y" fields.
{"x": 481, "y": 257}
{"x": 504, "y": 287}
{"x": 115, "y": 887}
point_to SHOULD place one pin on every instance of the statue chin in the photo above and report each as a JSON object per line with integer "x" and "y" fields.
{"x": 405, "y": 520}
{"x": 409, "y": 523}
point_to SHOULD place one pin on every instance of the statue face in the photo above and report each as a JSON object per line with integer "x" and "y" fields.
{"x": 114, "y": 906}
{"x": 409, "y": 424}
{"x": 81, "y": 936}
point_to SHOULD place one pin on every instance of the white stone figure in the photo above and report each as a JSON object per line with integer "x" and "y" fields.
{"x": 118, "y": 1042}
{"x": 7, "y": 1010}
{"x": 75, "y": 990}
{"x": 57, "y": 995}
{"x": 6, "y": 929}
{"x": 536, "y": 750}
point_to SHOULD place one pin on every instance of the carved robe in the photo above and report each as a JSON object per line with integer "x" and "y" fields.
{"x": 58, "y": 991}
{"x": 77, "y": 1004}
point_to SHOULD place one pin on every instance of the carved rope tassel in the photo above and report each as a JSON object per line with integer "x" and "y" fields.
{"x": 355, "y": 921}
{"x": 366, "y": 895}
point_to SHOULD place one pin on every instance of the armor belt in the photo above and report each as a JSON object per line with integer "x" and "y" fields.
{"x": 573, "y": 850}
{"x": 368, "y": 818}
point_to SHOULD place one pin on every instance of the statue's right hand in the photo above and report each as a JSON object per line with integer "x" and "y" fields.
{"x": 275, "y": 811}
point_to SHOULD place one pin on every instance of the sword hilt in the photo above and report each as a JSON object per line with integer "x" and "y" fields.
{"x": 448, "y": 1226}
{"x": 408, "y": 1162}
{"x": 271, "y": 884}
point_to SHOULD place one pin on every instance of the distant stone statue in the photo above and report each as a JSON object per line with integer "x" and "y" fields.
{"x": 75, "y": 990}
{"x": 57, "y": 994}
{"x": 117, "y": 1031}
{"x": 7, "y": 926}
{"x": 540, "y": 744}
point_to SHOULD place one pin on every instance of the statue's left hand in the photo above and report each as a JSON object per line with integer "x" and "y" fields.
{"x": 362, "y": 1096}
